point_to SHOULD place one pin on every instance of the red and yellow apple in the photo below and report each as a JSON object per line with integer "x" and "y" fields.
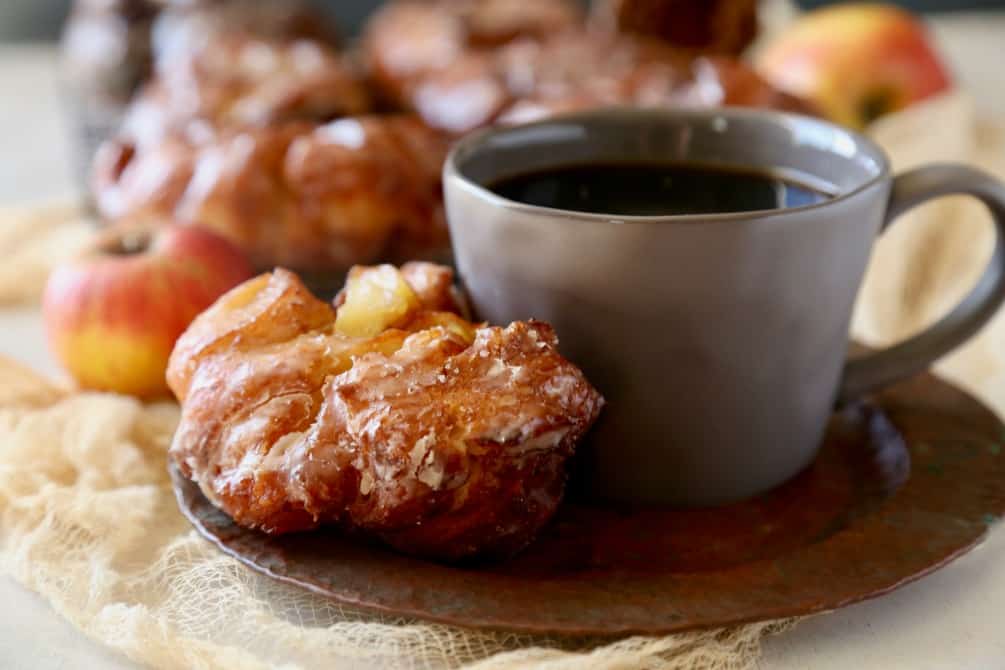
{"x": 112, "y": 316}
{"x": 855, "y": 62}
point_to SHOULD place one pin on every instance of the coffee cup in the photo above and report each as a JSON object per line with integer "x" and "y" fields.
{"x": 719, "y": 339}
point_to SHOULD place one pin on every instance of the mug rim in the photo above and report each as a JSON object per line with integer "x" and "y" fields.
{"x": 451, "y": 172}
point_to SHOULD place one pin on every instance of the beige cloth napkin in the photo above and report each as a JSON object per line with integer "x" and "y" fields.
{"x": 87, "y": 518}
{"x": 927, "y": 261}
{"x": 32, "y": 241}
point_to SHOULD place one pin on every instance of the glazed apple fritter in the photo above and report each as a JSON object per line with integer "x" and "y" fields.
{"x": 317, "y": 198}
{"x": 425, "y": 57}
{"x": 183, "y": 27}
{"x": 408, "y": 40}
{"x": 577, "y": 71}
{"x": 260, "y": 130}
{"x": 390, "y": 415}
{"x": 239, "y": 80}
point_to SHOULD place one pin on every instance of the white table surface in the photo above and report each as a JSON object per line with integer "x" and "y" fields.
{"x": 954, "y": 618}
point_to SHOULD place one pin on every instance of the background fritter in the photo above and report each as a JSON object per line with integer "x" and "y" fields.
{"x": 313, "y": 197}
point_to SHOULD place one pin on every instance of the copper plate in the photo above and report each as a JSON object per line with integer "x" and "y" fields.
{"x": 902, "y": 486}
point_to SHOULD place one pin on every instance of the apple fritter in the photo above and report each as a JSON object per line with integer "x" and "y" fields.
{"x": 184, "y": 26}
{"x": 425, "y": 59}
{"x": 314, "y": 197}
{"x": 247, "y": 81}
{"x": 408, "y": 40}
{"x": 575, "y": 75}
{"x": 389, "y": 415}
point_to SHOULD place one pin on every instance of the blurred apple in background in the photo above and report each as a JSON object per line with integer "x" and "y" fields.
{"x": 113, "y": 315}
{"x": 855, "y": 62}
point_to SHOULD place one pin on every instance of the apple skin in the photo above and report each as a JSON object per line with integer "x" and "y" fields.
{"x": 855, "y": 62}
{"x": 113, "y": 318}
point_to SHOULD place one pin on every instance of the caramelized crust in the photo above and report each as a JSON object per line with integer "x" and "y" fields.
{"x": 312, "y": 197}
{"x": 440, "y": 437}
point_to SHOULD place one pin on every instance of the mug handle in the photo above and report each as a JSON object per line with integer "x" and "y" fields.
{"x": 874, "y": 371}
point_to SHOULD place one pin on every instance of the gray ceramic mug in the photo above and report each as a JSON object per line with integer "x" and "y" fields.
{"x": 718, "y": 340}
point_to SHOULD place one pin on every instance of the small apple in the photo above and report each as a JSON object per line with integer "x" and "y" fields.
{"x": 113, "y": 315}
{"x": 855, "y": 62}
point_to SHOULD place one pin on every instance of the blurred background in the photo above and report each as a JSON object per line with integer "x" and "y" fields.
{"x": 30, "y": 20}
{"x": 51, "y": 122}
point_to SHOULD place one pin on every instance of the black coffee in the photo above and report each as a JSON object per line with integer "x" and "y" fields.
{"x": 648, "y": 189}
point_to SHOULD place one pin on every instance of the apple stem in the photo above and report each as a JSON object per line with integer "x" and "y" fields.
{"x": 876, "y": 104}
{"x": 127, "y": 243}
